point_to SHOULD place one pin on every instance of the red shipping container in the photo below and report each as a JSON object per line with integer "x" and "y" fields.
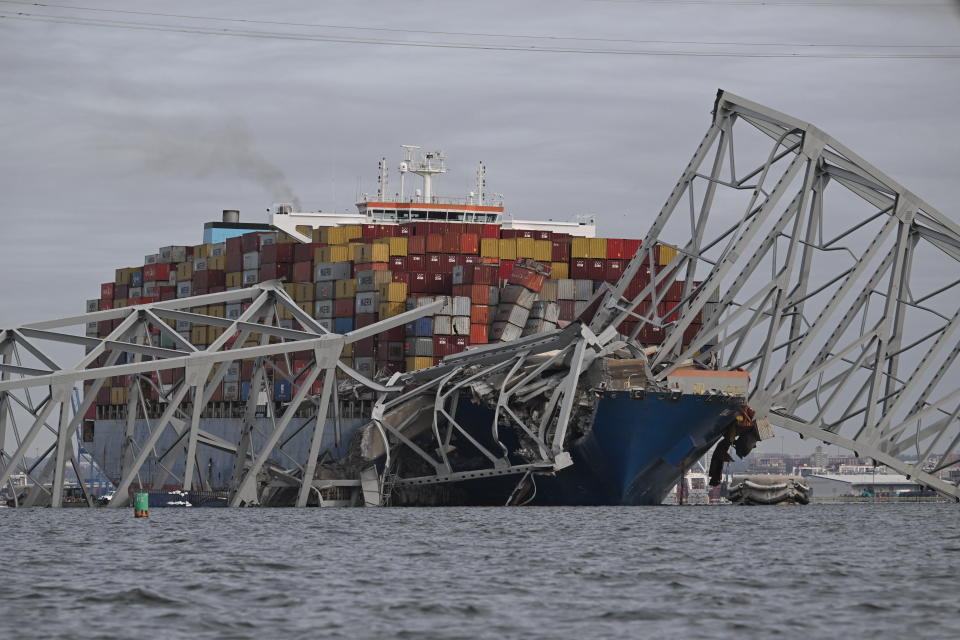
{"x": 433, "y": 263}
{"x": 469, "y": 243}
{"x": 471, "y": 259}
{"x": 450, "y": 243}
{"x": 614, "y": 249}
{"x": 304, "y": 252}
{"x": 273, "y": 271}
{"x": 480, "y": 274}
{"x": 276, "y": 253}
{"x": 398, "y": 263}
{"x": 543, "y": 235}
{"x": 473, "y": 227}
{"x": 527, "y": 278}
{"x": 596, "y": 269}
{"x": 508, "y": 234}
{"x": 251, "y": 242}
{"x": 218, "y": 289}
{"x": 434, "y": 243}
{"x": 401, "y": 276}
{"x": 416, "y": 245}
{"x": 440, "y": 283}
{"x": 105, "y": 305}
{"x": 364, "y": 348}
{"x": 162, "y": 291}
{"x": 234, "y": 262}
{"x": 506, "y": 268}
{"x": 395, "y": 334}
{"x": 370, "y": 266}
{"x": 479, "y": 314}
{"x": 369, "y": 232}
{"x": 630, "y": 247}
{"x": 441, "y": 346}
{"x": 422, "y": 228}
{"x": 614, "y": 270}
{"x": 448, "y": 261}
{"x": 490, "y": 231}
{"x": 567, "y": 309}
{"x": 364, "y": 320}
{"x": 235, "y": 246}
{"x": 208, "y": 278}
{"x": 303, "y": 271}
{"x": 416, "y": 263}
{"x": 403, "y": 230}
{"x": 478, "y": 333}
{"x": 560, "y": 251}
{"x": 121, "y": 291}
{"x": 343, "y": 308}
{"x": 460, "y": 343}
{"x": 690, "y": 333}
{"x": 456, "y": 227}
{"x": 578, "y": 269}
{"x": 418, "y": 282}
{"x": 106, "y": 291}
{"x": 246, "y": 370}
{"x": 158, "y": 272}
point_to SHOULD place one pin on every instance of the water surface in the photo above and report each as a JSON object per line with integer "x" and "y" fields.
{"x": 700, "y": 572}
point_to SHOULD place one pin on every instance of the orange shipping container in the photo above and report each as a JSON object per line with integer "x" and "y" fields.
{"x": 479, "y": 314}
{"x": 478, "y": 333}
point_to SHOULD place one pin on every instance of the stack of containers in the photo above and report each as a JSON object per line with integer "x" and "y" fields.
{"x": 523, "y": 286}
{"x": 494, "y": 283}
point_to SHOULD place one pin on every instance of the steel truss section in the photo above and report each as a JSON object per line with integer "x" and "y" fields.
{"x": 833, "y": 285}
{"x": 28, "y": 369}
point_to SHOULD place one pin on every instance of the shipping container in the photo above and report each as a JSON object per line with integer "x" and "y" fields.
{"x": 518, "y": 295}
{"x": 514, "y": 314}
{"x": 504, "y": 332}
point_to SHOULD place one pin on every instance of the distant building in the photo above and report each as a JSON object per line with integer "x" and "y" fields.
{"x": 841, "y": 485}
{"x": 819, "y": 458}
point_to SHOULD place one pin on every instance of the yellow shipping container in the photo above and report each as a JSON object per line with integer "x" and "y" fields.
{"x": 216, "y": 263}
{"x": 201, "y": 251}
{"x": 234, "y": 279}
{"x": 216, "y": 310}
{"x": 200, "y": 310}
{"x": 507, "y": 249}
{"x": 559, "y": 270}
{"x": 347, "y": 350}
{"x": 390, "y": 309}
{"x": 413, "y": 364}
{"x": 122, "y": 276}
{"x": 525, "y": 247}
{"x": 667, "y": 254}
{"x": 579, "y": 248}
{"x": 319, "y": 234}
{"x": 489, "y": 248}
{"x": 118, "y": 395}
{"x": 333, "y": 253}
{"x": 377, "y": 252}
{"x": 343, "y": 234}
{"x": 117, "y": 304}
{"x": 598, "y": 248}
{"x": 542, "y": 250}
{"x": 184, "y": 271}
{"x": 283, "y": 313}
{"x": 398, "y": 245}
{"x": 345, "y": 289}
{"x": 291, "y": 289}
{"x": 306, "y": 307}
{"x": 198, "y": 336}
{"x": 305, "y": 229}
{"x": 304, "y": 293}
{"x": 347, "y": 360}
{"x": 213, "y": 333}
{"x": 283, "y": 238}
{"x": 393, "y": 291}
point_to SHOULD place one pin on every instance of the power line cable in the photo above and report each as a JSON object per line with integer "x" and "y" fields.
{"x": 184, "y": 29}
{"x": 476, "y": 34}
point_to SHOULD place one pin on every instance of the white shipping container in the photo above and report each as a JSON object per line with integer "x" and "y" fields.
{"x": 251, "y": 260}
{"x": 371, "y": 280}
{"x": 93, "y": 305}
{"x": 153, "y": 258}
{"x": 447, "y": 308}
{"x": 461, "y": 325}
{"x": 442, "y": 326}
{"x": 325, "y": 290}
{"x": 326, "y": 323}
{"x": 512, "y": 313}
{"x": 418, "y": 347}
{"x": 566, "y": 289}
{"x": 584, "y": 289}
{"x": 251, "y": 276}
{"x": 233, "y": 310}
{"x": 460, "y": 306}
{"x": 323, "y": 309}
{"x": 549, "y": 311}
{"x": 286, "y": 323}
{"x": 200, "y": 264}
{"x": 183, "y": 327}
{"x": 135, "y": 292}
{"x": 233, "y": 372}
{"x": 231, "y": 391}
{"x": 268, "y": 238}
{"x": 332, "y": 271}
{"x": 518, "y": 295}
{"x": 149, "y": 288}
{"x": 219, "y": 249}
{"x": 549, "y": 291}
{"x": 579, "y": 307}
{"x": 504, "y": 332}
{"x": 367, "y": 302}
{"x": 91, "y": 329}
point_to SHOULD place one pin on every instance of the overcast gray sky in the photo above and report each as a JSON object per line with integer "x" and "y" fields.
{"x": 116, "y": 141}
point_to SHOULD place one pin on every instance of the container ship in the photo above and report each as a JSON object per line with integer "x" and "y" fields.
{"x": 501, "y": 282}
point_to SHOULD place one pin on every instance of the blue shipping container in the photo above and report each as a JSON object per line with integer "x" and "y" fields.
{"x": 342, "y": 325}
{"x": 244, "y": 391}
{"x": 420, "y": 327}
{"x": 136, "y": 279}
{"x": 281, "y": 391}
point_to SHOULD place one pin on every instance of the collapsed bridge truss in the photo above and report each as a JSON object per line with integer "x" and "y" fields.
{"x": 797, "y": 260}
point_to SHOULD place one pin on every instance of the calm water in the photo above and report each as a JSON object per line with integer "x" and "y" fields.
{"x": 703, "y": 572}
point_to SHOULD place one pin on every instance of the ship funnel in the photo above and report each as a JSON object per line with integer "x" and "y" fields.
{"x": 231, "y": 215}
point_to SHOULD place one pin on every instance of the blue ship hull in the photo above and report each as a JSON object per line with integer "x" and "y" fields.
{"x": 634, "y": 453}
